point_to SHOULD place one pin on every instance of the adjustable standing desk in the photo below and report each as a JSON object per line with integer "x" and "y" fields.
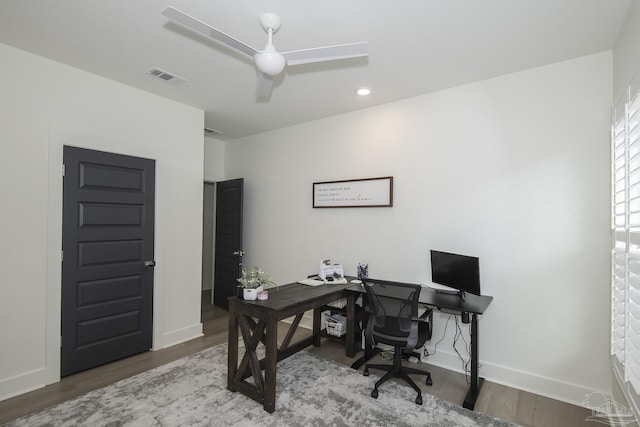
{"x": 474, "y": 304}
{"x": 258, "y": 322}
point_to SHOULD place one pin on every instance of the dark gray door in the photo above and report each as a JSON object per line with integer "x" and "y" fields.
{"x": 228, "y": 240}
{"x": 107, "y": 269}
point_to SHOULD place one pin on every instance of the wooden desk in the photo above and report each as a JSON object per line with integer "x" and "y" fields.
{"x": 474, "y": 304}
{"x": 258, "y": 322}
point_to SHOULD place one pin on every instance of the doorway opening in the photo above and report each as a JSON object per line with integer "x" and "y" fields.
{"x": 208, "y": 248}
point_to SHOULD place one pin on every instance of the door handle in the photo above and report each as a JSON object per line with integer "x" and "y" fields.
{"x": 238, "y": 253}
{"x": 149, "y": 264}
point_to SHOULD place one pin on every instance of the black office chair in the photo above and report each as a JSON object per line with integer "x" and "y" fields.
{"x": 393, "y": 320}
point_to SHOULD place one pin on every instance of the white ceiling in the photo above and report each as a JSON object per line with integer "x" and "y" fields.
{"x": 415, "y": 47}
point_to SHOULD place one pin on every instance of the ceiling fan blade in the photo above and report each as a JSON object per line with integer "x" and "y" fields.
{"x": 201, "y": 27}
{"x": 265, "y": 84}
{"x": 327, "y": 53}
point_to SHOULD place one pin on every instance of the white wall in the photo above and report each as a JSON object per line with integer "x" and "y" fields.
{"x": 513, "y": 170}
{"x": 213, "y": 159}
{"x": 45, "y": 105}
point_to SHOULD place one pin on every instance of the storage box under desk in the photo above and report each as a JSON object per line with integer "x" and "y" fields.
{"x": 335, "y": 324}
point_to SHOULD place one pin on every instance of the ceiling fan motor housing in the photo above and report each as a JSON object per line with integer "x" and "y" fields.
{"x": 270, "y": 62}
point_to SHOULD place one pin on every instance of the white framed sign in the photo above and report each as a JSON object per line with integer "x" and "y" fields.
{"x": 354, "y": 193}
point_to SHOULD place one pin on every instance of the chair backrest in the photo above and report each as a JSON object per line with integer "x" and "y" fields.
{"x": 393, "y": 309}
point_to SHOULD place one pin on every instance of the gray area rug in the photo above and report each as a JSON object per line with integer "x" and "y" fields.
{"x": 311, "y": 391}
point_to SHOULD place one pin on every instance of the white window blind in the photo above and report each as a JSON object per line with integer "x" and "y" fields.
{"x": 625, "y": 222}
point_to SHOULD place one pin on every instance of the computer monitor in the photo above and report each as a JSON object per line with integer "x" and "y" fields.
{"x": 461, "y": 273}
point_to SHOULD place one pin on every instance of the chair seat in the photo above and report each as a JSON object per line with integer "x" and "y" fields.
{"x": 424, "y": 334}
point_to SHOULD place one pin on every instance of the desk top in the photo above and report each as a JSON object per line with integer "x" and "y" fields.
{"x": 472, "y": 304}
{"x": 295, "y": 296}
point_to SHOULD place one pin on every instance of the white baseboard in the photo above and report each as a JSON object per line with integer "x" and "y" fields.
{"x": 178, "y": 336}
{"x": 525, "y": 381}
{"x": 38, "y": 378}
{"x": 23, "y": 383}
{"x": 548, "y": 387}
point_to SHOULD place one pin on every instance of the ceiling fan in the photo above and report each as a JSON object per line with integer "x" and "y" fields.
{"x": 269, "y": 62}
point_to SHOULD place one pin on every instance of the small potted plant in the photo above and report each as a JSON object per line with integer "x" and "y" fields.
{"x": 254, "y": 281}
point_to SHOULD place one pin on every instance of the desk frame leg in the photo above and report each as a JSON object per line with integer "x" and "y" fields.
{"x": 476, "y": 381}
{"x": 351, "y": 326}
{"x": 271, "y": 359}
{"x": 317, "y": 326}
{"x": 232, "y": 357}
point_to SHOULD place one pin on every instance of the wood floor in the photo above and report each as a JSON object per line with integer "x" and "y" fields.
{"x": 496, "y": 400}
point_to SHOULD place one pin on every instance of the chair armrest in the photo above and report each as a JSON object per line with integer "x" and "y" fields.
{"x": 426, "y": 317}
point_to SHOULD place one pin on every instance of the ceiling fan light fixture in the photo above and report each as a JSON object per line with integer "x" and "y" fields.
{"x": 270, "y": 63}
{"x": 363, "y": 91}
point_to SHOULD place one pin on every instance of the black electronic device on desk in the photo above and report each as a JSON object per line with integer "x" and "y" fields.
{"x": 457, "y": 274}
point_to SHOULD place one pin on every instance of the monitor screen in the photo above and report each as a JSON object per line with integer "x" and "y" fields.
{"x": 459, "y": 272}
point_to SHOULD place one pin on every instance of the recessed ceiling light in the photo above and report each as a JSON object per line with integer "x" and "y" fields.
{"x": 363, "y": 91}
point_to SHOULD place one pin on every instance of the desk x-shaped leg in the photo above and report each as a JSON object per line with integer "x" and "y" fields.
{"x": 263, "y": 388}
{"x": 252, "y": 334}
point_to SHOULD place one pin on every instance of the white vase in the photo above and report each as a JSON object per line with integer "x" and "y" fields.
{"x": 251, "y": 294}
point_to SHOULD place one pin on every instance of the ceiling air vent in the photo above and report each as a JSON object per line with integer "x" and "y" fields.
{"x": 211, "y": 132}
{"x": 166, "y": 76}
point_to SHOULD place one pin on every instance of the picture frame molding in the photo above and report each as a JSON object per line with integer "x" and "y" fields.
{"x": 354, "y": 193}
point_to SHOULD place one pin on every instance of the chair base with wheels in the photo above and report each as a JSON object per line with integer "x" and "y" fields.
{"x": 398, "y": 371}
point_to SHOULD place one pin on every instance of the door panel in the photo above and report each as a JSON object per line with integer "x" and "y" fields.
{"x": 228, "y": 240}
{"x": 107, "y": 293}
